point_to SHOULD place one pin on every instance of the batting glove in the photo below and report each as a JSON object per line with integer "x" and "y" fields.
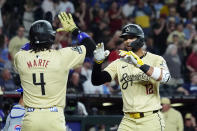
{"x": 100, "y": 54}
{"x": 67, "y": 22}
{"x": 132, "y": 58}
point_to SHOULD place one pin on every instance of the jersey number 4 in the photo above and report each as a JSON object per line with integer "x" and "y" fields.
{"x": 41, "y": 83}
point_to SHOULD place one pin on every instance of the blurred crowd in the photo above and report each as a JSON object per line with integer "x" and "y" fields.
{"x": 169, "y": 27}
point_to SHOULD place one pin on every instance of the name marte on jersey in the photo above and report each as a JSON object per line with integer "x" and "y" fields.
{"x": 38, "y": 63}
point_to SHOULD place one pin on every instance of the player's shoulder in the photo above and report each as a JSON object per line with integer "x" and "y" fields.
{"x": 154, "y": 56}
{"x": 73, "y": 48}
{"x": 20, "y": 53}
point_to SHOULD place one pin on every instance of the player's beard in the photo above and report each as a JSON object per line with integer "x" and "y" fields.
{"x": 127, "y": 47}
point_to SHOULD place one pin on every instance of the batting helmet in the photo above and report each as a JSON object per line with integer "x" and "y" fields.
{"x": 134, "y": 30}
{"x": 41, "y": 32}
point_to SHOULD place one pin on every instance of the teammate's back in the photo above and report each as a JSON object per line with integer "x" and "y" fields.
{"x": 44, "y": 74}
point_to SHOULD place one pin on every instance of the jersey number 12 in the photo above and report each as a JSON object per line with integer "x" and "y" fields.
{"x": 149, "y": 89}
{"x": 42, "y": 83}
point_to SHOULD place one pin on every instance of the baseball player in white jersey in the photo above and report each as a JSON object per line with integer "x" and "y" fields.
{"x": 44, "y": 73}
{"x": 139, "y": 74}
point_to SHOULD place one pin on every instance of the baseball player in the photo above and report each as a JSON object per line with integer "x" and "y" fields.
{"x": 139, "y": 74}
{"x": 14, "y": 119}
{"x": 44, "y": 73}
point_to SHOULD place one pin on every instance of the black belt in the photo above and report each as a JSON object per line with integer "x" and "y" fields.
{"x": 142, "y": 113}
{"x": 137, "y": 115}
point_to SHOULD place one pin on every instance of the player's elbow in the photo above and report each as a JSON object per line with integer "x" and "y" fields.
{"x": 95, "y": 82}
{"x": 165, "y": 77}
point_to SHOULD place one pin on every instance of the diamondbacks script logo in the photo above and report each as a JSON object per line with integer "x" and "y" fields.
{"x": 126, "y": 79}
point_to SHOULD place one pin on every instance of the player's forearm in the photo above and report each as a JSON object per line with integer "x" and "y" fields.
{"x": 156, "y": 73}
{"x": 99, "y": 77}
{"x": 85, "y": 40}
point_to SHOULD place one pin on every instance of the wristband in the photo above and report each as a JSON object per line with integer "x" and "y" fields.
{"x": 156, "y": 73}
{"x": 99, "y": 62}
{"x": 75, "y": 32}
{"x": 145, "y": 68}
{"x": 81, "y": 36}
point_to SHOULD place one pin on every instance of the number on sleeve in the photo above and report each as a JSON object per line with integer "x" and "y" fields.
{"x": 77, "y": 49}
{"x": 42, "y": 83}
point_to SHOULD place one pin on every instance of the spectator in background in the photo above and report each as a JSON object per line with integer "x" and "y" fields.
{"x": 179, "y": 32}
{"x": 86, "y": 69}
{"x": 48, "y": 16}
{"x": 128, "y": 8}
{"x": 38, "y": 12}
{"x": 99, "y": 25}
{"x": 114, "y": 53}
{"x": 66, "y": 6}
{"x": 83, "y": 16}
{"x": 4, "y": 61}
{"x": 190, "y": 88}
{"x": 104, "y": 4}
{"x": 28, "y": 18}
{"x": 115, "y": 17}
{"x": 111, "y": 45}
{"x": 173, "y": 118}
{"x": 174, "y": 65}
{"x": 192, "y": 60}
{"x": 6, "y": 80}
{"x": 150, "y": 45}
{"x": 190, "y": 122}
{"x": 189, "y": 29}
{"x": 89, "y": 88}
{"x": 1, "y": 20}
{"x": 173, "y": 14}
{"x": 17, "y": 42}
{"x": 171, "y": 25}
{"x": 75, "y": 84}
{"x": 160, "y": 34}
{"x": 49, "y": 6}
{"x": 165, "y": 9}
{"x": 142, "y": 14}
{"x": 189, "y": 4}
{"x": 157, "y": 4}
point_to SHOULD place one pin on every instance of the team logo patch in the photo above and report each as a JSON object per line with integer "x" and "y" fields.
{"x": 17, "y": 128}
{"x": 127, "y": 29}
{"x": 163, "y": 64}
{"x": 78, "y": 49}
{"x": 124, "y": 67}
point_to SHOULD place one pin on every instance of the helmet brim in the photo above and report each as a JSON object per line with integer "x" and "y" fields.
{"x": 123, "y": 35}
